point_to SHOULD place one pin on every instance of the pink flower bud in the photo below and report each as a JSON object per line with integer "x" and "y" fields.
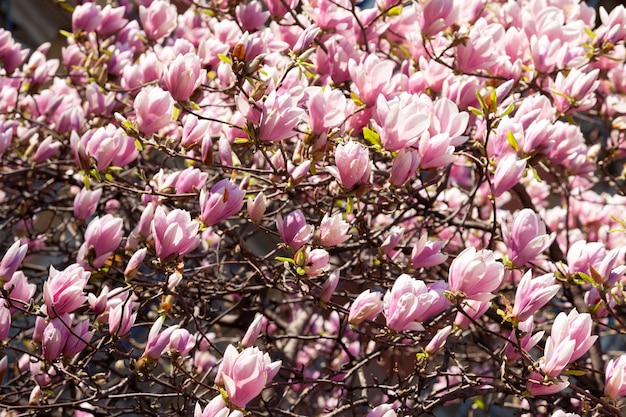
{"x": 174, "y": 233}
{"x": 293, "y": 229}
{"x": 122, "y": 318}
{"x": 5, "y": 322}
{"x": 181, "y": 342}
{"x": 86, "y": 202}
{"x": 615, "y": 378}
{"x": 55, "y": 335}
{"x": 509, "y": 171}
{"x": 315, "y": 261}
{"x": 102, "y": 237}
{"x": 253, "y": 332}
{"x": 19, "y": 290}
{"x": 159, "y": 19}
{"x": 532, "y": 294}
{"x": 183, "y": 76}
{"x": 404, "y": 166}
{"x": 46, "y": 149}
{"x": 154, "y": 108}
{"x": 366, "y": 306}
{"x": 134, "y": 263}
{"x": 437, "y": 16}
{"x": 333, "y": 230}
{"x": 191, "y": 180}
{"x": 280, "y": 115}
{"x": 256, "y": 207}
{"x": 402, "y": 303}
{"x": 306, "y": 38}
{"x": 438, "y": 341}
{"x": 86, "y": 17}
{"x": 12, "y": 260}
{"x": 329, "y": 287}
{"x": 352, "y": 164}
{"x": 112, "y": 20}
{"x": 245, "y": 374}
{"x": 224, "y": 200}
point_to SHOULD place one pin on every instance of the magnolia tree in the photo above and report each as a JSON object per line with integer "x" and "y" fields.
{"x": 302, "y": 207}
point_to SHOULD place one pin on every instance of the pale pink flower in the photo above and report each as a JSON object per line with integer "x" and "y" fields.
{"x": 181, "y": 342}
{"x": 402, "y": 302}
{"x": 472, "y": 310}
{"x": 251, "y": 16}
{"x": 158, "y": 19}
{"x": 366, "y": 306}
{"x": 86, "y": 202}
{"x": 575, "y": 326}
{"x": 333, "y": 230}
{"x": 174, "y": 233}
{"x": 55, "y": 336}
{"x": 404, "y": 166}
{"x": 438, "y": 341}
{"x": 383, "y": 410}
{"x": 19, "y": 290}
{"x": 533, "y": 293}
{"x": 245, "y": 374}
{"x": 77, "y": 339}
{"x": 475, "y": 275}
{"x": 615, "y": 378}
{"x": 134, "y": 263}
{"x": 224, "y": 200}
{"x": 399, "y": 123}
{"x": 46, "y": 149}
{"x": 12, "y": 260}
{"x": 371, "y": 77}
{"x": 252, "y": 334}
{"x": 256, "y": 207}
{"x": 436, "y": 151}
{"x": 329, "y": 286}
{"x": 436, "y": 16}
{"x": 509, "y": 171}
{"x": 183, "y": 76}
{"x": 576, "y": 91}
{"x": 86, "y": 17}
{"x": 427, "y": 253}
{"x": 280, "y": 115}
{"x": 315, "y": 261}
{"x": 352, "y": 164}
{"x": 157, "y": 340}
{"x": 154, "y": 108}
{"x": 526, "y": 343}
{"x": 5, "y": 322}
{"x": 326, "y": 108}
{"x": 536, "y": 385}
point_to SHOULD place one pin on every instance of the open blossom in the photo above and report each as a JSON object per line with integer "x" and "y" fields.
{"x": 280, "y": 115}
{"x": 174, "y": 233}
{"x": 427, "y": 253}
{"x": 398, "y": 123}
{"x": 63, "y": 292}
{"x": 158, "y": 19}
{"x": 224, "y": 200}
{"x": 245, "y": 374}
{"x": 574, "y": 91}
{"x": 183, "y": 76}
{"x": 475, "y": 274}
{"x": 333, "y": 230}
{"x": 407, "y": 303}
{"x": 525, "y": 236}
{"x": 157, "y": 339}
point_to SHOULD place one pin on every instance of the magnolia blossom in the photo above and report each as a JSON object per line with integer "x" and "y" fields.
{"x": 293, "y": 229}
{"x": 366, "y": 306}
{"x": 174, "y": 233}
{"x": 333, "y": 230}
{"x": 532, "y": 294}
{"x": 102, "y": 237}
{"x": 615, "y": 378}
{"x": 12, "y": 260}
{"x": 154, "y": 109}
{"x": 525, "y": 236}
{"x": 475, "y": 274}
{"x": 352, "y": 164}
{"x": 63, "y": 292}
{"x": 245, "y": 374}
{"x": 224, "y": 200}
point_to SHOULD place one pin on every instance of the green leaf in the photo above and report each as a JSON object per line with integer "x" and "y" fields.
{"x": 349, "y": 205}
{"x": 508, "y": 110}
{"x": 241, "y": 141}
{"x": 66, "y": 33}
{"x": 481, "y": 100}
{"x": 534, "y": 172}
{"x": 138, "y": 145}
{"x": 512, "y": 141}
{"x": 575, "y": 372}
{"x": 479, "y": 403}
{"x": 356, "y": 99}
{"x": 284, "y": 259}
{"x": 175, "y": 113}
{"x": 395, "y": 11}
{"x": 590, "y": 32}
{"x": 476, "y": 111}
{"x": 225, "y": 59}
{"x": 371, "y": 136}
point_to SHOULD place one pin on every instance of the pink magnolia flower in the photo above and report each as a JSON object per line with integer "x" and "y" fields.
{"x": 5, "y": 322}
{"x": 438, "y": 341}
{"x": 19, "y": 290}
{"x": 352, "y": 162}
{"x": 190, "y": 180}
{"x": 306, "y": 38}
{"x": 86, "y": 17}
{"x": 383, "y": 410}
{"x": 576, "y": 91}
{"x": 251, "y": 16}
{"x": 134, "y": 263}
{"x": 475, "y": 275}
{"x": 158, "y": 19}
{"x": 183, "y": 76}
{"x": 102, "y": 237}
{"x": 472, "y": 310}
{"x": 63, "y": 291}
{"x": 427, "y": 253}
{"x": 537, "y": 385}
{"x": 217, "y": 407}
{"x": 174, "y": 233}
{"x": 224, "y": 200}
{"x": 525, "y": 236}
{"x": 326, "y": 108}
{"x": 157, "y": 340}
{"x": 245, "y": 374}
{"x": 404, "y": 166}
{"x": 12, "y": 260}
{"x": 194, "y": 131}
{"x": 181, "y": 342}
{"x": 399, "y": 122}
{"x": 509, "y": 171}
{"x": 46, "y": 149}
{"x": 526, "y": 343}
{"x": 533, "y": 293}
{"x": 401, "y": 304}
{"x": 154, "y": 108}
{"x": 55, "y": 336}
{"x": 615, "y": 378}
{"x": 293, "y": 229}
{"x": 256, "y": 207}
{"x": 280, "y": 115}
{"x": 436, "y": 16}
{"x": 436, "y": 151}
{"x": 333, "y": 230}
{"x": 371, "y": 77}
{"x": 107, "y": 145}
{"x": 576, "y": 327}
{"x": 77, "y": 339}
{"x": 86, "y": 202}
{"x": 122, "y": 318}
{"x": 582, "y": 254}
{"x": 329, "y": 286}
{"x": 315, "y": 261}
{"x": 252, "y": 334}
{"x": 366, "y": 306}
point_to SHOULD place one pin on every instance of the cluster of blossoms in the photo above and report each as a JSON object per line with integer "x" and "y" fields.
{"x": 306, "y": 207}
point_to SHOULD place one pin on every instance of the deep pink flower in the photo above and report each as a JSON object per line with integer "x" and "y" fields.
{"x": 157, "y": 340}
{"x": 525, "y": 236}
{"x": 293, "y": 229}
{"x": 280, "y": 115}
{"x": 102, "y": 237}
{"x": 12, "y": 260}
{"x": 224, "y": 200}
{"x": 85, "y": 203}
